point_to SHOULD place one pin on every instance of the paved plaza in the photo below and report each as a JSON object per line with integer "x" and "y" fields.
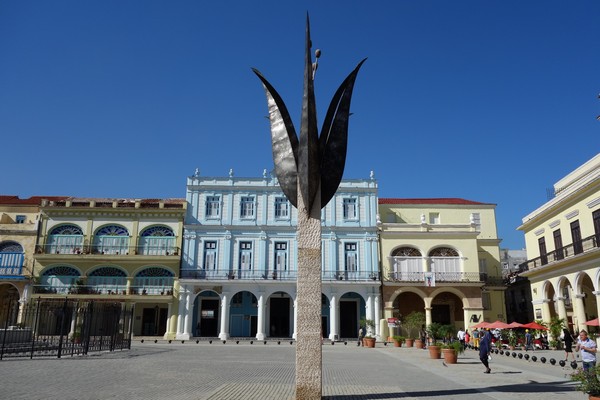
{"x": 217, "y": 371}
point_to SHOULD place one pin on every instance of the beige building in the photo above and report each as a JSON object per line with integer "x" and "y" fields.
{"x": 441, "y": 257}
{"x": 19, "y": 221}
{"x": 561, "y": 237}
{"x": 122, "y": 250}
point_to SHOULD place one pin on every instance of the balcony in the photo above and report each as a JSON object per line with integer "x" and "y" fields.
{"x": 583, "y": 246}
{"x": 11, "y": 264}
{"x": 162, "y": 290}
{"x": 440, "y": 277}
{"x": 97, "y": 249}
{"x": 326, "y": 276}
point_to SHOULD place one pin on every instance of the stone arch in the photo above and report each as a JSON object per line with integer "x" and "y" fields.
{"x": 157, "y": 240}
{"x": 406, "y": 251}
{"x": 280, "y": 315}
{"x": 58, "y": 279}
{"x": 10, "y": 246}
{"x": 65, "y": 239}
{"x": 111, "y": 239}
{"x": 207, "y": 313}
{"x": 153, "y": 279}
{"x": 447, "y": 307}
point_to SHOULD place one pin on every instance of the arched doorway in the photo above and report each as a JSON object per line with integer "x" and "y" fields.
{"x": 406, "y": 303}
{"x": 243, "y": 316}
{"x": 324, "y": 316}
{"x": 447, "y": 309}
{"x": 280, "y": 315}
{"x": 9, "y": 305}
{"x": 206, "y": 319}
{"x": 352, "y": 310}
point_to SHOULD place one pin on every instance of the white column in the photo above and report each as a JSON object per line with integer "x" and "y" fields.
{"x": 260, "y": 328}
{"x": 334, "y": 305}
{"x": 377, "y": 315}
{"x": 169, "y": 307}
{"x": 369, "y": 313}
{"x": 224, "y": 334}
{"x": 186, "y": 334}
{"x": 181, "y": 313}
{"x": 562, "y": 310}
{"x": 580, "y": 311}
{"x": 295, "y": 334}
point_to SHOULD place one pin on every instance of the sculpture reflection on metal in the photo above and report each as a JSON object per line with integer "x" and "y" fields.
{"x": 313, "y": 160}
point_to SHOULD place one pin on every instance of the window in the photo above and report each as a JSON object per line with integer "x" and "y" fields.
{"x": 281, "y": 207}
{"x": 351, "y": 257}
{"x": 558, "y": 244}
{"x": 20, "y": 219}
{"x": 245, "y": 256}
{"x": 434, "y": 218}
{"x": 486, "y": 301}
{"x": 476, "y": 219}
{"x": 210, "y": 255}
{"x": 247, "y": 207}
{"x": 576, "y": 236}
{"x": 349, "y": 208}
{"x": 212, "y": 206}
{"x": 542, "y": 247}
{"x": 280, "y": 256}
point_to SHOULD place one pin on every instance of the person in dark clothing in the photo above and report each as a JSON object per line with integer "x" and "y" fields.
{"x": 485, "y": 346}
{"x": 568, "y": 338}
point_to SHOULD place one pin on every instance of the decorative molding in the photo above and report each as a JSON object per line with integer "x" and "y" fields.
{"x": 555, "y": 223}
{"x": 539, "y": 232}
{"x": 572, "y": 214}
{"x": 593, "y": 203}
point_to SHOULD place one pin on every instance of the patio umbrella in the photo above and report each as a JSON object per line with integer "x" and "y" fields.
{"x": 593, "y": 322}
{"x": 482, "y": 324}
{"x": 498, "y": 325}
{"x": 515, "y": 325}
{"x": 535, "y": 325}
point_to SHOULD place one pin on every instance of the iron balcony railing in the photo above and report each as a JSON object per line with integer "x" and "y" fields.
{"x": 439, "y": 277}
{"x": 11, "y": 264}
{"x": 98, "y": 249}
{"x": 327, "y": 275}
{"x": 580, "y": 247}
{"x": 103, "y": 289}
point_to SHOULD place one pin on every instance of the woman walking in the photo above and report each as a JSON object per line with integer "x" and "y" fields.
{"x": 568, "y": 338}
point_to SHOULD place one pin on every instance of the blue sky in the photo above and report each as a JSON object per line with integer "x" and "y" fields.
{"x": 492, "y": 101}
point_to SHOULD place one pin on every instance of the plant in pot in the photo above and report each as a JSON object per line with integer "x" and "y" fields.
{"x": 369, "y": 326}
{"x": 587, "y": 382}
{"x": 435, "y": 349}
{"x": 555, "y": 327}
{"x": 412, "y": 322}
{"x": 451, "y": 351}
{"x": 398, "y": 340}
{"x": 512, "y": 340}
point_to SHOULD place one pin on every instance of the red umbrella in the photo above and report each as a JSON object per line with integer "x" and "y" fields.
{"x": 482, "y": 324}
{"x": 498, "y": 325}
{"x": 515, "y": 325}
{"x": 535, "y": 325}
{"x": 593, "y": 322}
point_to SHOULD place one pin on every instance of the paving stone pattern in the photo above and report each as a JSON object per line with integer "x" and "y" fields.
{"x": 233, "y": 371}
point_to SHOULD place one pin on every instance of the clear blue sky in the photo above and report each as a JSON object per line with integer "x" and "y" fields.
{"x": 492, "y": 101}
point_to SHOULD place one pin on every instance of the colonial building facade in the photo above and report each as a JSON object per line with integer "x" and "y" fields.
{"x": 562, "y": 238}
{"x": 122, "y": 250}
{"x": 19, "y": 222}
{"x": 441, "y": 257}
{"x": 239, "y": 261}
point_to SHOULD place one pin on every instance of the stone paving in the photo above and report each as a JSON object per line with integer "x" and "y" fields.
{"x": 218, "y": 371}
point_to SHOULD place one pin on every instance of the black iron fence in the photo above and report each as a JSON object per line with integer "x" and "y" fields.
{"x": 56, "y": 328}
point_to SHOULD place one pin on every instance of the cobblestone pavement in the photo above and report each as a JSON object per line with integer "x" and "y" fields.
{"x": 217, "y": 371}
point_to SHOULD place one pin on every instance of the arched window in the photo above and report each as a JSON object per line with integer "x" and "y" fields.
{"x": 407, "y": 264}
{"x": 157, "y": 240}
{"x": 445, "y": 262}
{"x": 65, "y": 239}
{"x": 111, "y": 239}
{"x": 154, "y": 280}
{"x": 59, "y": 279}
{"x": 107, "y": 280}
{"x": 12, "y": 258}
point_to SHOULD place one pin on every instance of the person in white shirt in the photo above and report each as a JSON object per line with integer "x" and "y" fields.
{"x": 587, "y": 349}
{"x": 461, "y": 337}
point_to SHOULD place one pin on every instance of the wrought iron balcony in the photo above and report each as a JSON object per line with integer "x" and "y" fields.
{"x": 11, "y": 264}
{"x": 326, "y": 276}
{"x": 445, "y": 277}
{"x": 116, "y": 250}
{"x": 583, "y": 246}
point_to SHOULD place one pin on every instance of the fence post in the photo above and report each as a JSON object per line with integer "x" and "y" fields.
{"x": 88, "y": 326}
{"x": 35, "y": 326}
{"x": 60, "y": 327}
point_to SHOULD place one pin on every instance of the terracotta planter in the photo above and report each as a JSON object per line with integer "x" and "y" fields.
{"x": 369, "y": 342}
{"x": 419, "y": 344}
{"x": 409, "y": 342}
{"x": 450, "y": 356}
{"x": 397, "y": 343}
{"x": 435, "y": 352}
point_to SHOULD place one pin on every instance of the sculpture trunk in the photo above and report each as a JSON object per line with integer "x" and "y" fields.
{"x": 308, "y": 301}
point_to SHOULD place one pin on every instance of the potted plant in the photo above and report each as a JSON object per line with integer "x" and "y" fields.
{"x": 435, "y": 349}
{"x": 369, "y": 339}
{"x": 451, "y": 351}
{"x": 398, "y": 340}
{"x": 413, "y": 321}
{"x": 587, "y": 382}
{"x": 512, "y": 340}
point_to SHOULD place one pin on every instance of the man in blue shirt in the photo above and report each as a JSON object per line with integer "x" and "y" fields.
{"x": 587, "y": 349}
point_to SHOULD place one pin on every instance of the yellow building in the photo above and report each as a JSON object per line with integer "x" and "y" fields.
{"x": 561, "y": 238}
{"x": 122, "y": 250}
{"x": 441, "y": 257}
{"x": 19, "y": 221}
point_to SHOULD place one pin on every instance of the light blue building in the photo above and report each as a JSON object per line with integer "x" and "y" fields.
{"x": 239, "y": 259}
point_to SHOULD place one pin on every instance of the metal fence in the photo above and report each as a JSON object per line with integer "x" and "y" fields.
{"x": 56, "y": 328}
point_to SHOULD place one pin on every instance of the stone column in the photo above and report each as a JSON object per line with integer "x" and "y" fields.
{"x": 260, "y": 323}
{"x": 562, "y": 310}
{"x": 295, "y": 305}
{"x": 377, "y": 312}
{"x": 579, "y": 309}
{"x": 334, "y": 306}
{"x": 308, "y": 347}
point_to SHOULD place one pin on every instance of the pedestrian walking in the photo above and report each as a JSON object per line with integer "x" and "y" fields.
{"x": 485, "y": 345}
